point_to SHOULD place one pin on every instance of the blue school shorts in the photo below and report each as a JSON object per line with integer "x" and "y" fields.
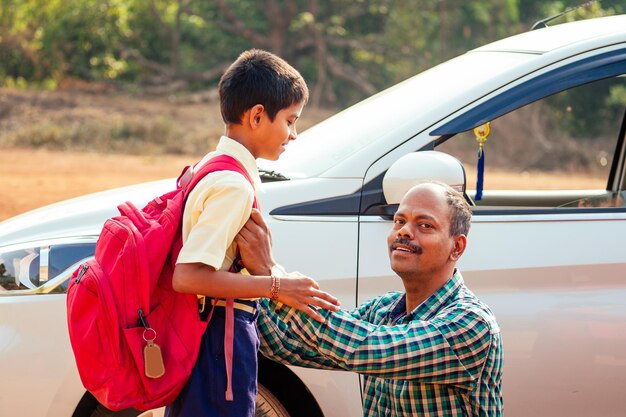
{"x": 204, "y": 395}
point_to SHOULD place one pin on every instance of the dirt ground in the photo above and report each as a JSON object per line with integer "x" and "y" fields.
{"x": 32, "y": 178}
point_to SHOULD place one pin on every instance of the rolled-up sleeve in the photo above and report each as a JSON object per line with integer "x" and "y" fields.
{"x": 281, "y": 345}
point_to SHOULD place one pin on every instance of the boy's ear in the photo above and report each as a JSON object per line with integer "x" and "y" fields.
{"x": 255, "y": 115}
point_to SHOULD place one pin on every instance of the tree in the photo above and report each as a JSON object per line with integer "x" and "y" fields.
{"x": 20, "y": 47}
{"x": 427, "y": 33}
{"x": 328, "y": 41}
{"x": 345, "y": 49}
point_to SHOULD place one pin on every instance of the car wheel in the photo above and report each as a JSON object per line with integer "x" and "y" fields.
{"x": 267, "y": 405}
{"x": 102, "y": 411}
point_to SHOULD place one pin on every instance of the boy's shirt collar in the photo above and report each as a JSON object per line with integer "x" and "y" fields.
{"x": 235, "y": 149}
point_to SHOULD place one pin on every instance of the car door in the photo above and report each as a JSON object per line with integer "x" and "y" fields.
{"x": 545, "y": 252}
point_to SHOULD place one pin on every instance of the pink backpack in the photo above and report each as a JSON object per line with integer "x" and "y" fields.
{"x": 135, "y": 339}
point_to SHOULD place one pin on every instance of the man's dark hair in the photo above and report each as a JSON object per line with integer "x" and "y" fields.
{"x": 259, "y": 77}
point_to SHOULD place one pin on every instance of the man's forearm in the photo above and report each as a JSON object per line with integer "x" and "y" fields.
{"x": 279, "y": 344}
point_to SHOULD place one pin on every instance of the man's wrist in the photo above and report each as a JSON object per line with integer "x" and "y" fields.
{"x": 263, "y": 270}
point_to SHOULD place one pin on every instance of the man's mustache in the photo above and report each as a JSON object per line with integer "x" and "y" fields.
{"x": 406, "y": 242}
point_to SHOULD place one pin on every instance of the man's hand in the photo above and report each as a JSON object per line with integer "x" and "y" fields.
{"x": 296, "y": 290}
{"x": 255, "y": 245}
{"x": 304, "y": 294}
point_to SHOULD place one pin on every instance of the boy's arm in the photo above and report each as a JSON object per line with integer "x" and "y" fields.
{"x": 197, "y": 270}
{"x": 298, "y": 292}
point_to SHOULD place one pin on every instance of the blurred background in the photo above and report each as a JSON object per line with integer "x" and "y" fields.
{"x": 100, "y": 93}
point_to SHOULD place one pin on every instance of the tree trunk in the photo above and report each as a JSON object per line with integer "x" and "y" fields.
{"x": 175, "y": 61}
{"x": 320, "y": 52}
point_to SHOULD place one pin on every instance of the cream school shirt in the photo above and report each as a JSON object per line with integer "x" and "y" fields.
{"x": 217, "y": 208}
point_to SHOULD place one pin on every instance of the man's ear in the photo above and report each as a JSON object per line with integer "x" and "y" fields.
{"x": 255, "y": 115}
{"x": 460, "y": 243}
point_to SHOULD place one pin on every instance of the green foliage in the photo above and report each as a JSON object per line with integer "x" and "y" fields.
{"x": 423, "y": 34}
{"x": 534, "y": 10}
{"x": 346, "y": 49}
{"x": 18, "y": 45}
{"x": 617, "y": 96}
{"x": 578, "y": 110}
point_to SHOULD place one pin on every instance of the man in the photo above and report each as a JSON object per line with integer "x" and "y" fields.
{"x": 434, "y": 350}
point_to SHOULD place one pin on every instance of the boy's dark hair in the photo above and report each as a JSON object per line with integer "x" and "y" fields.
{"x": 259, "y": 77}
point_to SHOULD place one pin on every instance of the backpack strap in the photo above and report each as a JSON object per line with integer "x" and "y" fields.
{"x": 189, "y": 179}
{"x": 229, "y": 342}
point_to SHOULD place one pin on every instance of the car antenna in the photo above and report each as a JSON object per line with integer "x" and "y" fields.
{"x": 543, "y": 23}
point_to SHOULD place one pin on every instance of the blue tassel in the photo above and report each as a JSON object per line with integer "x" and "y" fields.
{"x": 480, "y": 175}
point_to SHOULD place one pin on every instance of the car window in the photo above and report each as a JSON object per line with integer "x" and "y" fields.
{"x": 554, "y": 152}
{"x": 380, "y": 117}
{"x": 30, "y": 268}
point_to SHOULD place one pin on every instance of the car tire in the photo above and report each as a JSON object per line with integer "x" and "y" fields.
{"x": 102, "y": 411}
{"x": 267, "y": 405}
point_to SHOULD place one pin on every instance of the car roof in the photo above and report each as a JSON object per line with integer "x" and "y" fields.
{"x": 559, "y": 36}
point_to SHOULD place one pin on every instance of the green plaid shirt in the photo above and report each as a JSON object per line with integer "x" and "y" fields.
{"x": 442, "y": 359}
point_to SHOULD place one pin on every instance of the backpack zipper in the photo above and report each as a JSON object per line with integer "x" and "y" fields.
{"x": 81, "y": 273}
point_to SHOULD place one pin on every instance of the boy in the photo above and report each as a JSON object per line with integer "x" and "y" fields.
{"x": 261, "y": 98}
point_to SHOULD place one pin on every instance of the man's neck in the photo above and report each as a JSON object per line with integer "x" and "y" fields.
{"x": 419, "y": 288}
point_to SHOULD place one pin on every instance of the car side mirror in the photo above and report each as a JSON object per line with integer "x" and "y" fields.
{"x": 417, "y": 167}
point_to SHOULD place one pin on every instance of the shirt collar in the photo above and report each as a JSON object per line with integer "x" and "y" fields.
{"x": 228, "y": 146}
{"x": 429, "y": 307}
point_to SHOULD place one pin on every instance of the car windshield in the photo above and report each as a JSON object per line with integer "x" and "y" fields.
{"x": 391, "y": 114}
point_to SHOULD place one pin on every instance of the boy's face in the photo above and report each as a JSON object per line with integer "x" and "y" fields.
{"x": 273, "y": 136}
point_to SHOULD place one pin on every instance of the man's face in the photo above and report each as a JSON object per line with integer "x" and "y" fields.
{"x": 419, "y": 241}
{"x": 275, "y": 135}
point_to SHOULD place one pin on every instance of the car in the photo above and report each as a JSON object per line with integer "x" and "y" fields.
{"x": 548, "y": 259}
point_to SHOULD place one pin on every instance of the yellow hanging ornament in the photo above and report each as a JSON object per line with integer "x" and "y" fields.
{"x": 481, "y": 133}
